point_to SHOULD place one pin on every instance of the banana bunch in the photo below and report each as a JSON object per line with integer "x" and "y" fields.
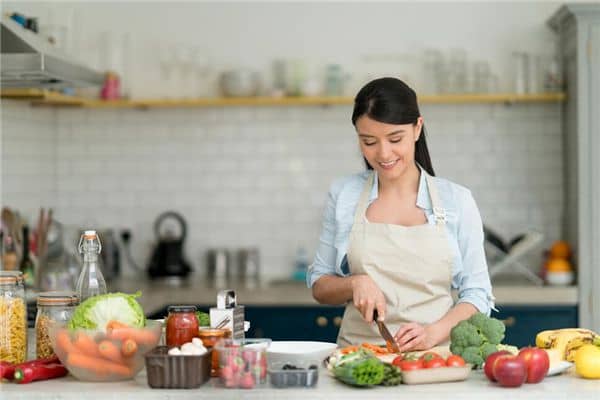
{"x": 562, "y": 344}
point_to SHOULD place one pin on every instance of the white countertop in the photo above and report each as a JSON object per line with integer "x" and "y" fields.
{"x": 156, "y": 295}
{"x": 475, "y": 387}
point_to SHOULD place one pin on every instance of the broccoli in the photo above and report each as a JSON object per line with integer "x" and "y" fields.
{"x": 472, "y": 355}
{"x": 476, "y": 338}
{"x": 487, "y": 349}
{"x": 465, "y": 334}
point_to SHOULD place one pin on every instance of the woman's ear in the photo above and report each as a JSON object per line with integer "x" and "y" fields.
{"x": 418, "y": 128}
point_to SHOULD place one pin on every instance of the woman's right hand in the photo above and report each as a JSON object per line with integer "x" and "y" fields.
{"x": 367, "y": 297}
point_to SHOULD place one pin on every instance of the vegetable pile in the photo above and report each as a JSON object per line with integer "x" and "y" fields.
{"x": 363, "y": 368}
{"x": 476, "y": 338}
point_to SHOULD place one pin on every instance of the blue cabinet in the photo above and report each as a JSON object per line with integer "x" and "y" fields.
{"x": 524, "y": 322}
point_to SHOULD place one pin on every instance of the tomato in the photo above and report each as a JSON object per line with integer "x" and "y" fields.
{"x": 398, "y": 360}
{"x": 410, "y": 365}
{"x": 430, "y": 355}
{"x": 434, "y": 363}
{"x": 455, "y": 361}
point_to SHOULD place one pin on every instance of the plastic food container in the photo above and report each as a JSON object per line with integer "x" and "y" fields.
{"x": 242, "y": 363}
{"x": 176, "y": 372}
{"x": 281, "y": 376}
{"x": 436, "y": 375}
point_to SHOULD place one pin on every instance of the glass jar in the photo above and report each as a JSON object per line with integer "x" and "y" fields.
{"x": 209, "y": 338}
{"x": 182, "y": 325}
{"x": 52, "y": 308}
{"x": 13, "y": 317}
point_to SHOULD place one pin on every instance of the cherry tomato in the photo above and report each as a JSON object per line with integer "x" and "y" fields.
{"x": 430, "y": 355}
{"x": 398, "y": 360}
{"x": 455, "y": 361}
{"x": 434, "y": 363}
{"x": 410, "y": 365}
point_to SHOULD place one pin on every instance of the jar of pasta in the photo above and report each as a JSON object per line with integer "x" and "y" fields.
{"x": 13, "y": 317}
{"x": 52, "y": 308}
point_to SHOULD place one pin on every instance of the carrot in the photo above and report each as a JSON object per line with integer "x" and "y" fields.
{"x": 97, "y": 365}
{"x": 140, "y": 336}
{"x": 109, "y": 351}
{"x": 63, "y": 342}
{"x": 374, "y": 348}
{"x": 128, "y": 347}
{"x": 348, "y": 349}
{"x": 112, "y": 324}
{"x": 86, "y": 345}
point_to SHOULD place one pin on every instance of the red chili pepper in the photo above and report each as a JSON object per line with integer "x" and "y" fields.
{"x": 39, "y": 372}
{"x": 7, "y": 370}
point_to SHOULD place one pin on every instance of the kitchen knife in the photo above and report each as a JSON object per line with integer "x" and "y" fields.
{"x": 385, "y": 333}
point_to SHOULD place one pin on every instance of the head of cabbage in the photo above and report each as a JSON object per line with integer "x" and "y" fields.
{"x": 97, "y": 311}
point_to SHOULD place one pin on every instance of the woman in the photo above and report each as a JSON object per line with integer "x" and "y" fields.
{"x": 394, "y": 238}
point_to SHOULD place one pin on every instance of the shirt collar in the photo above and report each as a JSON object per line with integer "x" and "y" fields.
{"x": 423, "y": 198}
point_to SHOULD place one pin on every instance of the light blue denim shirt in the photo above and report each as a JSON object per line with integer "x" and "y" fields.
{"x": 463, "y": 222}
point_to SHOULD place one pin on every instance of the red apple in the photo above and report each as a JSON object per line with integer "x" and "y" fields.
{"x": 537, "y": 363}
{"x": 510, "y": 371}
{"x": 488, "y": 367}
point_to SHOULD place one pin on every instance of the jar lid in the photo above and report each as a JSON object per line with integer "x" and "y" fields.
{"x": 58, "y": 298}
{"x": 182, "y": 309}
{"x": 11, "y": 277}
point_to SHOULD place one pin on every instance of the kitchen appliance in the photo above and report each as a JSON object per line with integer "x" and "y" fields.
{"x": 28, "y": 61}
{"x": 110, "y": 256}
{"x": 167, "y": 258}
{"x": 228, "y": 310}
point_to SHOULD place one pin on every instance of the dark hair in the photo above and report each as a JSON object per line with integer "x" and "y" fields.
{"x": 391, "y": 101}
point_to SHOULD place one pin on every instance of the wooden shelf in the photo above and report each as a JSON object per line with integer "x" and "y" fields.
{"x": 49, "y": 98}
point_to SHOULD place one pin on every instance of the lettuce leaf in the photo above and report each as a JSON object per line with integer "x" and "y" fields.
{"x": 97, "y": 311}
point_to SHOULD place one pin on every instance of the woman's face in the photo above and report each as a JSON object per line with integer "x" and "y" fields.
{"x": 389, "y": 148}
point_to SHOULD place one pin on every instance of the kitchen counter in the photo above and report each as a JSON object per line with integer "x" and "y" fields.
{"x": 158, "y": 294}
{"x": 475, "y": 387}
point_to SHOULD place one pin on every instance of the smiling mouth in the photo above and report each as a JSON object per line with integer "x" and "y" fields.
{"x": 388, "y": 164}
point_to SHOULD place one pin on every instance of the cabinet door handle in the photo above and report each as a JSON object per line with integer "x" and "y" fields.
{"x": 337, "y": 321}
{"x": 508, "y": 322}
{"x": 321, "y": 321}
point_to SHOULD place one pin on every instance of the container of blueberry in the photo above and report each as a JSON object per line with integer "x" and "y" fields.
{"x": 293, "y": 375}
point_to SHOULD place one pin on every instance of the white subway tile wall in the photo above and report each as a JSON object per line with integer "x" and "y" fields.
{"x": 259, "y": 176}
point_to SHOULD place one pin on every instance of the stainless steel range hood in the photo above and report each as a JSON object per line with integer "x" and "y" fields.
{"x": 26, "y": 61}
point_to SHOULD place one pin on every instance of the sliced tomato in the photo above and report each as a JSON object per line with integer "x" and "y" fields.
{"x": 434, "y": 363}
{"x": 398, "y": 360}
{"x": 455, "y": 361}
{"x": 410, "y": 365}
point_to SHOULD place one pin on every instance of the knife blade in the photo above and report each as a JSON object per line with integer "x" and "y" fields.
{"x": 385, "y": 333}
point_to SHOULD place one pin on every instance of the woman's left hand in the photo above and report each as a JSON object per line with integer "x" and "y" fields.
{"x": 414, "y": 336}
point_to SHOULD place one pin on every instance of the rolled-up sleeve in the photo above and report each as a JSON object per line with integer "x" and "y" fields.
{"x": 325, "y": 258}
{"x": 473, "y": 282}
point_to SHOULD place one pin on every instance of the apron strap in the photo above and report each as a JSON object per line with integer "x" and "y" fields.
{"x": 363, "y": 201}
{"x": 438, "y": 210}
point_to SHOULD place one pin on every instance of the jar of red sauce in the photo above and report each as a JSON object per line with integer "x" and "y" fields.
{"x": 209, "y": 338}
{"x": 182, "y": 325}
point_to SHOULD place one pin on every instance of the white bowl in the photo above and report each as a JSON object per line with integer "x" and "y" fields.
{"x": 559, "y": 278}
{"x": 298, "y": 352}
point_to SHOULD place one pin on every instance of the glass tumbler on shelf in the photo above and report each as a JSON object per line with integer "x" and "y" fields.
{"x": 13, "y": 317}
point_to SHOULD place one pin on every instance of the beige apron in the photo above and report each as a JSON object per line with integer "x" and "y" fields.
{"x": 411, "y": 265}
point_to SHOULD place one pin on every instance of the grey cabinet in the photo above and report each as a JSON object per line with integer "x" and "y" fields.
{"x": 578, "y": 28}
